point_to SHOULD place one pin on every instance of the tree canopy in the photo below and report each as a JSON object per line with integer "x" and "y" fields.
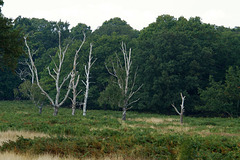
{"x": 11, "y": 48}
{"x": 11, "y": 43}
{"x": 172, "y": 56}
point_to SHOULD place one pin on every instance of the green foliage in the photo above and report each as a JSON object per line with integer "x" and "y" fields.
{"x": 116, "y": 26}
{"x": 178, "y": 55}
{"x": 31, "y": 91}
{"x": 101, "y": 134}
{"x": 42, "y": 37}
{"x": 110, "y": 96}
{"x": 232, "y": 90}
{"x": 11, "y": 44}
{"x": 222, "y": 98}
{"x": 214, "y": 98}
{"x": 104, "y": 48}
{"x": 173, "y": 55}
{"x": 77, "y": 31}
{"x": 8, "y": 81}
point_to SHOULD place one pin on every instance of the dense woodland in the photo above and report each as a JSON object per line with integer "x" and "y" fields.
{"x": 170, "y": 56}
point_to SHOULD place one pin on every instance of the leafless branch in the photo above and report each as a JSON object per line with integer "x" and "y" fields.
{"x": 49, "y": 72}
{"x": 176, "y": 109}
{"x": 122, "y": 75}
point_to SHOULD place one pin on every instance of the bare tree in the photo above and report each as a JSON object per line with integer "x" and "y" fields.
{"x": 122, "y": 76}
{"x": 87, "y": 83}
{"x": 28, "y": 89}
{"x": 182, "y": 108}
{"x": 56, "y": 103}
{"x": 75, "y": 80}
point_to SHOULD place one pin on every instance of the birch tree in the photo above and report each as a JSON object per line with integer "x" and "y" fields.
{"x": 121, "y": 72}
{"x": 55, "y": 102}
{"x": 75, "y": 77}
{"x": 87, "y": 82}
{"x": 182, "y": 108}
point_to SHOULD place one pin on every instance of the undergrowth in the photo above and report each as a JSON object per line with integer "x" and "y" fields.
{"x": 102, "y": 133}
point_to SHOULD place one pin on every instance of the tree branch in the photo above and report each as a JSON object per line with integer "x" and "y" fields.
{"x": 36, "y": 72}
{"x": 49, "y": 72}
{"x": 176, "y": 109}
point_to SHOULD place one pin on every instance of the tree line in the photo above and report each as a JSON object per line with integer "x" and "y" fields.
{"x": 169, "y": 57}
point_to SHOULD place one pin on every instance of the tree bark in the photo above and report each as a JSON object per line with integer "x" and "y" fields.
{"x": 73, "y": 111}
{"x": 55, "y": 111}
{"x": 87, "y": 83}
{"x": 181, "y": 118}
{"x": 124, "y": 114}
{"x": 75, "y": 81}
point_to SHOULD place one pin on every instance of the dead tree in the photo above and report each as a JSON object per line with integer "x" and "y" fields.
{"x": 182, "y": 108}
{"x": 75, "y": 79}
{"x": 56, "y": 103}
{"x": 29, "y": 89}
{"x": 122, "y": 76}
{"x": 87, "y": 83}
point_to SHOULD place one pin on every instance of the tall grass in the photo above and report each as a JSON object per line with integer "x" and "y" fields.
{"x": 102, "y": 134}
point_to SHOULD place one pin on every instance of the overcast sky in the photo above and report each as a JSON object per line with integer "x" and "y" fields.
{"x": 137, "y": 13}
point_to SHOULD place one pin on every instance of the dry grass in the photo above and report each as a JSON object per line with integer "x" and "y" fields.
{"x": 113, "y": 157}
{"x": 157, "y": 120}
{"x": 13, "y": 135}
{"x": 207, "y": 133}
{"x": 14, "y": 156}
{"x": 103, "y": 128}
{"x": 171, "y": 126}
{"x": 174, "y": 125}
{"x": 176, "y": 129}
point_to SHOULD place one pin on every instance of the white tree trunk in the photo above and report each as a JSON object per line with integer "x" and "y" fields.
{"x": 123, "y": 80}
{"x": 74, "y": 100}
{"x": 75, "y": 81}
{"x": 56, "y": 76}
{"x": 87, "y": 83}
{"x": 182, "y": 108}
{"x": 124, "y": 114}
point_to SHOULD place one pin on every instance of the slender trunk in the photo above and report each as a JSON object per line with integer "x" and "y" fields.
{"x": 87, "y": 74}
{"x": 74, "y": 102}
{"x": 85, "y": 99}
{"x": 84, "y": 111}
{"x": 55, "y": 111}
{"x": 181, "y": 118}
{"x": 40, "y": 109}
{"x": 73, "y": 111}
{"x": 182, "y": 108}
{"x": 74, "y": 80}
{"x": 124, "y": 114}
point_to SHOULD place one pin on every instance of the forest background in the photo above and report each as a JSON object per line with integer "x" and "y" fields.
{"x": 171, "y": 56}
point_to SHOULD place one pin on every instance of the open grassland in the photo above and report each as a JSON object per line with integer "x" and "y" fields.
{"x": 25, "y": 134}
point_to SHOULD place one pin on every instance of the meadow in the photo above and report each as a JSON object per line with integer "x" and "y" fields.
{"x": 103, "y": 135}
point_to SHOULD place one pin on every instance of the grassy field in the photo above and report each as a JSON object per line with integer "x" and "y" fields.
{"x": 24, "y": 134}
